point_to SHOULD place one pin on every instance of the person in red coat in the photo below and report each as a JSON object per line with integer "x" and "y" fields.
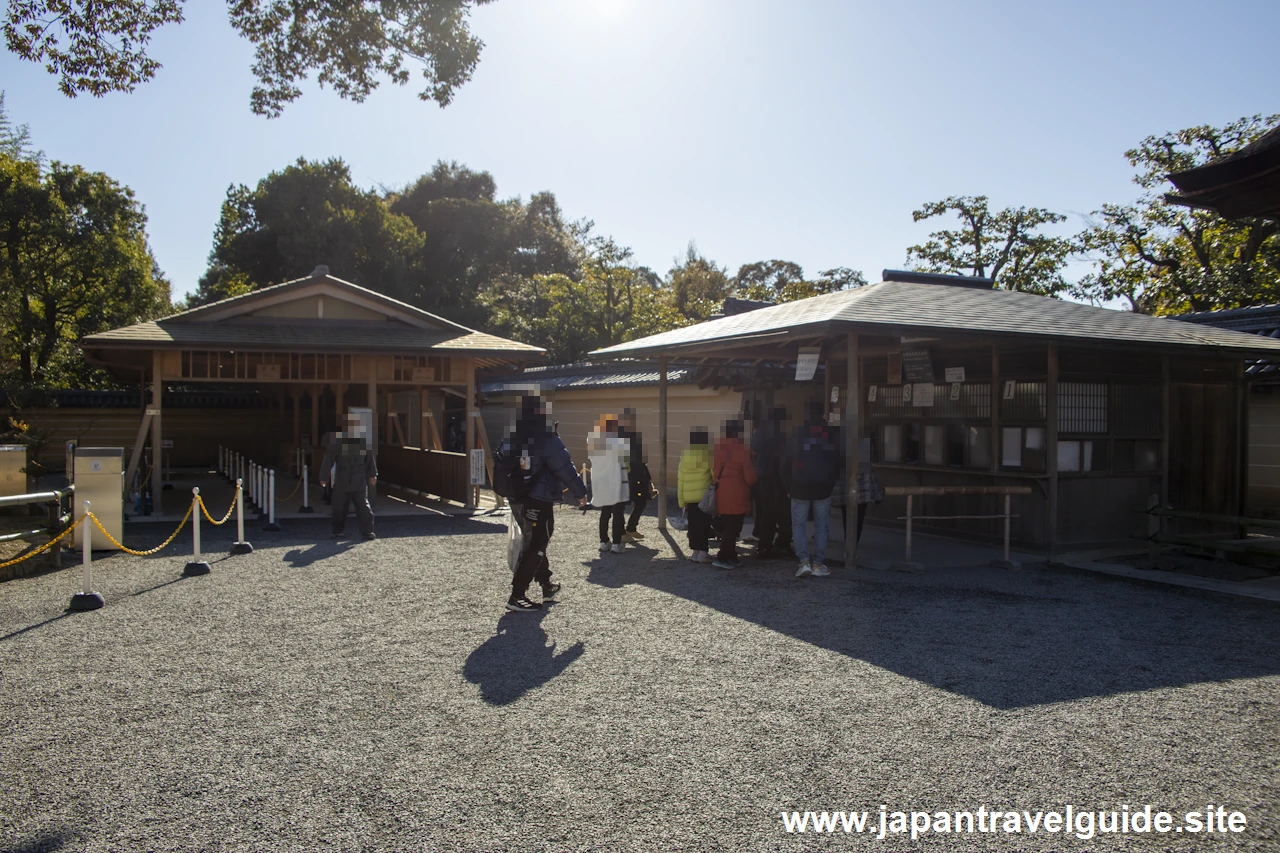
{"x": 733, "y": 474}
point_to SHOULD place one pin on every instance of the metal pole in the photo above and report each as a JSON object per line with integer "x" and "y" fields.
{"x": 306, "y": 491}
{"x": 88, "y": 599}
{"x": 271, "y": 501}
{"x": 909, "y": 528}
{"x": 197, "y": 566}
{"x": 1007, "y": 499}
{"x": 240, "y": 546}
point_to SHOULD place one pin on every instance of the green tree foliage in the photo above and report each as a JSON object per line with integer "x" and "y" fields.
{"x": 1005, "y": 246}
{"x": 15, "y": 139}
{"x": 351, "y": 45}
{"x": 698, "y": 286}
{"x": 73, "y": 260}
{"x": 307, "y": 214}
{"x": 784, "y": 281}
{"x": 611, "y": 302}
{"x": 1164, "y": 258}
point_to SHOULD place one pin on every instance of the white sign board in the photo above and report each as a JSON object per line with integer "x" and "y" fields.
{"x": 922, "y": 395}
{"x": 835, "y": 393}
{"x": 424, "y": 374}
{"x": 1010, "y": 386}
{"x": 807, "y": 363}
{"x": 871, "y": 394}
{"x": 955, "y": 390}
{"x": 477, "y": 466}
{"x": 954, "y": 374}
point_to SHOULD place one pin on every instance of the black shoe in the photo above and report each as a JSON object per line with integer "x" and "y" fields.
{"x": 517, "y": 605}
{"x": 549, "y": 592}
{"x": 764, "y": 553}
{"x": 336, "y": 536}
{"x": 369, "y": 536}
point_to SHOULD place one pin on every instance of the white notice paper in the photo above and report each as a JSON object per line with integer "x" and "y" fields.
{"x": 954, "y": 374}
{"x": 807, "y": 363}
{"x": 922, "y": 394}
{"x": 477, "y": 466}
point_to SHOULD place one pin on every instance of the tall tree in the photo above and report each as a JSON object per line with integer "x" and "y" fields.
{"x": 101, "y": 47}
{"x": 1163, "y": 258}
{"x": 611, "y": 302}
{"x": 784, "y": 281}
{"x": 698, "y": 286}
{"x": 1005, "y": 246}
{"x": 15, "y": 139}
{"x": 73, "y": 260}
{"x": 307, "y": 214}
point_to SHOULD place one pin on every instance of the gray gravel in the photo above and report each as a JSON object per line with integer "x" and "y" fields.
{"x": 374, "y": 696}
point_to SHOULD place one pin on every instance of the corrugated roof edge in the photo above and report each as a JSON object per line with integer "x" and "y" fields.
{"x": 612, "y": 374}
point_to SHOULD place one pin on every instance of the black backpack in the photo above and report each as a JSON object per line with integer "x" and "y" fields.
{"x": 816, "y": 460}
{"x": 511, "y": 479}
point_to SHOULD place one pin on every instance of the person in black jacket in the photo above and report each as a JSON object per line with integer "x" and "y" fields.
{"x": 354, "y": 471}
{"x": 815, "y": 461}
{"x": 773, "y": 510}
{"x": 641, "y": 482}
{"x": 543, "y": 453}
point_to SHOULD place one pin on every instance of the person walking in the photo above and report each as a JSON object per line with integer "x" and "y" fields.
{"x": 815, "y": 462}
{"x": 350, "y": 467}
{"x": 693, "y": 476}
{"x": 607, "y": 451}
{"x": 638, "y": 471}
{"x": 550, "y": 471}
{"x": 773, "y": 511}
{"x": 734, "y": 476}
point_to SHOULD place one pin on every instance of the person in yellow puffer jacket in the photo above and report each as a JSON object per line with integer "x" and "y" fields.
{"x": 693, "y": 478}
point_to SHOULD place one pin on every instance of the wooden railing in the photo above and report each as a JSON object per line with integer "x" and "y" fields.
{"x": 913, "y": 491}
{"x": 433, "y": 472}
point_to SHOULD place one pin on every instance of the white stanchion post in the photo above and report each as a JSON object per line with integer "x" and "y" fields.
{"x": 240, "y": 546}
{"x": 271, "y": 502}
{"x": 88, "y": 599}
{"x": 306, "y": 487}
{"x": 198, "y": 565}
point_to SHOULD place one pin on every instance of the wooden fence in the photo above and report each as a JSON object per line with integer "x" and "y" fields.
{"x": 434, "y": 472}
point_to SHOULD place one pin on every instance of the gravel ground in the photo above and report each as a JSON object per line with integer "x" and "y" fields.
{"x": 376, "y": 696}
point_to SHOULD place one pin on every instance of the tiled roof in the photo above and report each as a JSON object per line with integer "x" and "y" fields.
{"x": 587, "y": 375}
{"x": 895, "y": 307}
{"x": 1261, "y": 320}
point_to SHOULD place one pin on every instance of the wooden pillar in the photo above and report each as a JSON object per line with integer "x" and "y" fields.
{"x": 375, "y": 413}
{"x": 157, "y": 402}
{"x": 1165, "y": 426}
{"x": 662, "y": 442}
{"x": 996, "y": 395}
{"x": 295, "y": 398}
{"x": 470, "y": 424}
{"x": 1242, "y": 446}
{"x": 1051, "y": 443}
{"x": 339, "y": 404}
{"x": 851, "y": 422}
{"x": 315, "y": 418}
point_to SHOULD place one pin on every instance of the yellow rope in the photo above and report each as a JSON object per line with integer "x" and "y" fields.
{"x": 154, "y": 550}
{"x": 297, "y": 486}
{"x": 45, "y": 547}
{"x": 230, "y": 509}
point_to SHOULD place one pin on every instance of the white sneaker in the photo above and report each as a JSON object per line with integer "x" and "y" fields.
{"x": 805, "y": 569}
{"x": 617, "y": 549}
{"x": 821, "y": 571}
{"x": 604, "y": 547}
{"x": 702, "y": 557}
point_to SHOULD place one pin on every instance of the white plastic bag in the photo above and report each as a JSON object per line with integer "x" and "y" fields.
{"x": 514, "y": 540}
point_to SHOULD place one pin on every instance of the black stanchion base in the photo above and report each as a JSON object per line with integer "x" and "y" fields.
{"x": 190, "y": 570}
{"x": 271, "y": 527}
{"x": 241, "y": 548}
{"x": 84, "y": 601}
{"x": 306, "y": 509}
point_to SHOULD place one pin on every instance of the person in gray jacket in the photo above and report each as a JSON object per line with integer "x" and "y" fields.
{"x": 354, "y": 471}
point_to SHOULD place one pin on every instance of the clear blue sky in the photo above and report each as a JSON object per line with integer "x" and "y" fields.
{"x": 806, "y": 130}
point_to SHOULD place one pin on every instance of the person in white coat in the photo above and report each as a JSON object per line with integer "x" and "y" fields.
{"x": 610, "y": 488}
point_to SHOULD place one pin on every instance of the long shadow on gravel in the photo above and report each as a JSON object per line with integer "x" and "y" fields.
{"x": 1008, "y": 640}
{"x": 517, "y": 659}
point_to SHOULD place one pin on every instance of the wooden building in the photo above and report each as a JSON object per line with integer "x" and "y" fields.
{"x": 957, "y": 383}
{"x": 314, "y": 347}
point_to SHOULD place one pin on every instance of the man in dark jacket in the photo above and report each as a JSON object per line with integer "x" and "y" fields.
{"x": 815, "y": 462}
{"x": 641, "y": 482}
{"x": 354, "y": 471}
{"x": 773, "y": 510}
{"x": 543, "y": 454}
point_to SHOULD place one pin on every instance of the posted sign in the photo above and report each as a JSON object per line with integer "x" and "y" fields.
{"x": 477, "y": 466}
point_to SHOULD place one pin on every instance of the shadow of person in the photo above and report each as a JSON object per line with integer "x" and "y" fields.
{"x": 301, "y": 558}
{"x": 517, "y": 659}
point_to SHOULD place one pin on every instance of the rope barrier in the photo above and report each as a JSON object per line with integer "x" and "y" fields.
{"x": 297, "y": 486}
{"x": 155, "y": 550}
{"x": 45, "y": 547}
{"x": 204, "y": 509}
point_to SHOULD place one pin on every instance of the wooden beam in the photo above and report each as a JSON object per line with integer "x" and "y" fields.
{"x": 996, "y": 396}
{"x": 472, "y": 493}
{"x": 135, "y": 457}
{"x": 662, "y": 443}
{"x": 157, "y": 459}
{"x": 1165, "y": 426}
{"x": 851, "y": 420}
{"x": 1051, "y": 443}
